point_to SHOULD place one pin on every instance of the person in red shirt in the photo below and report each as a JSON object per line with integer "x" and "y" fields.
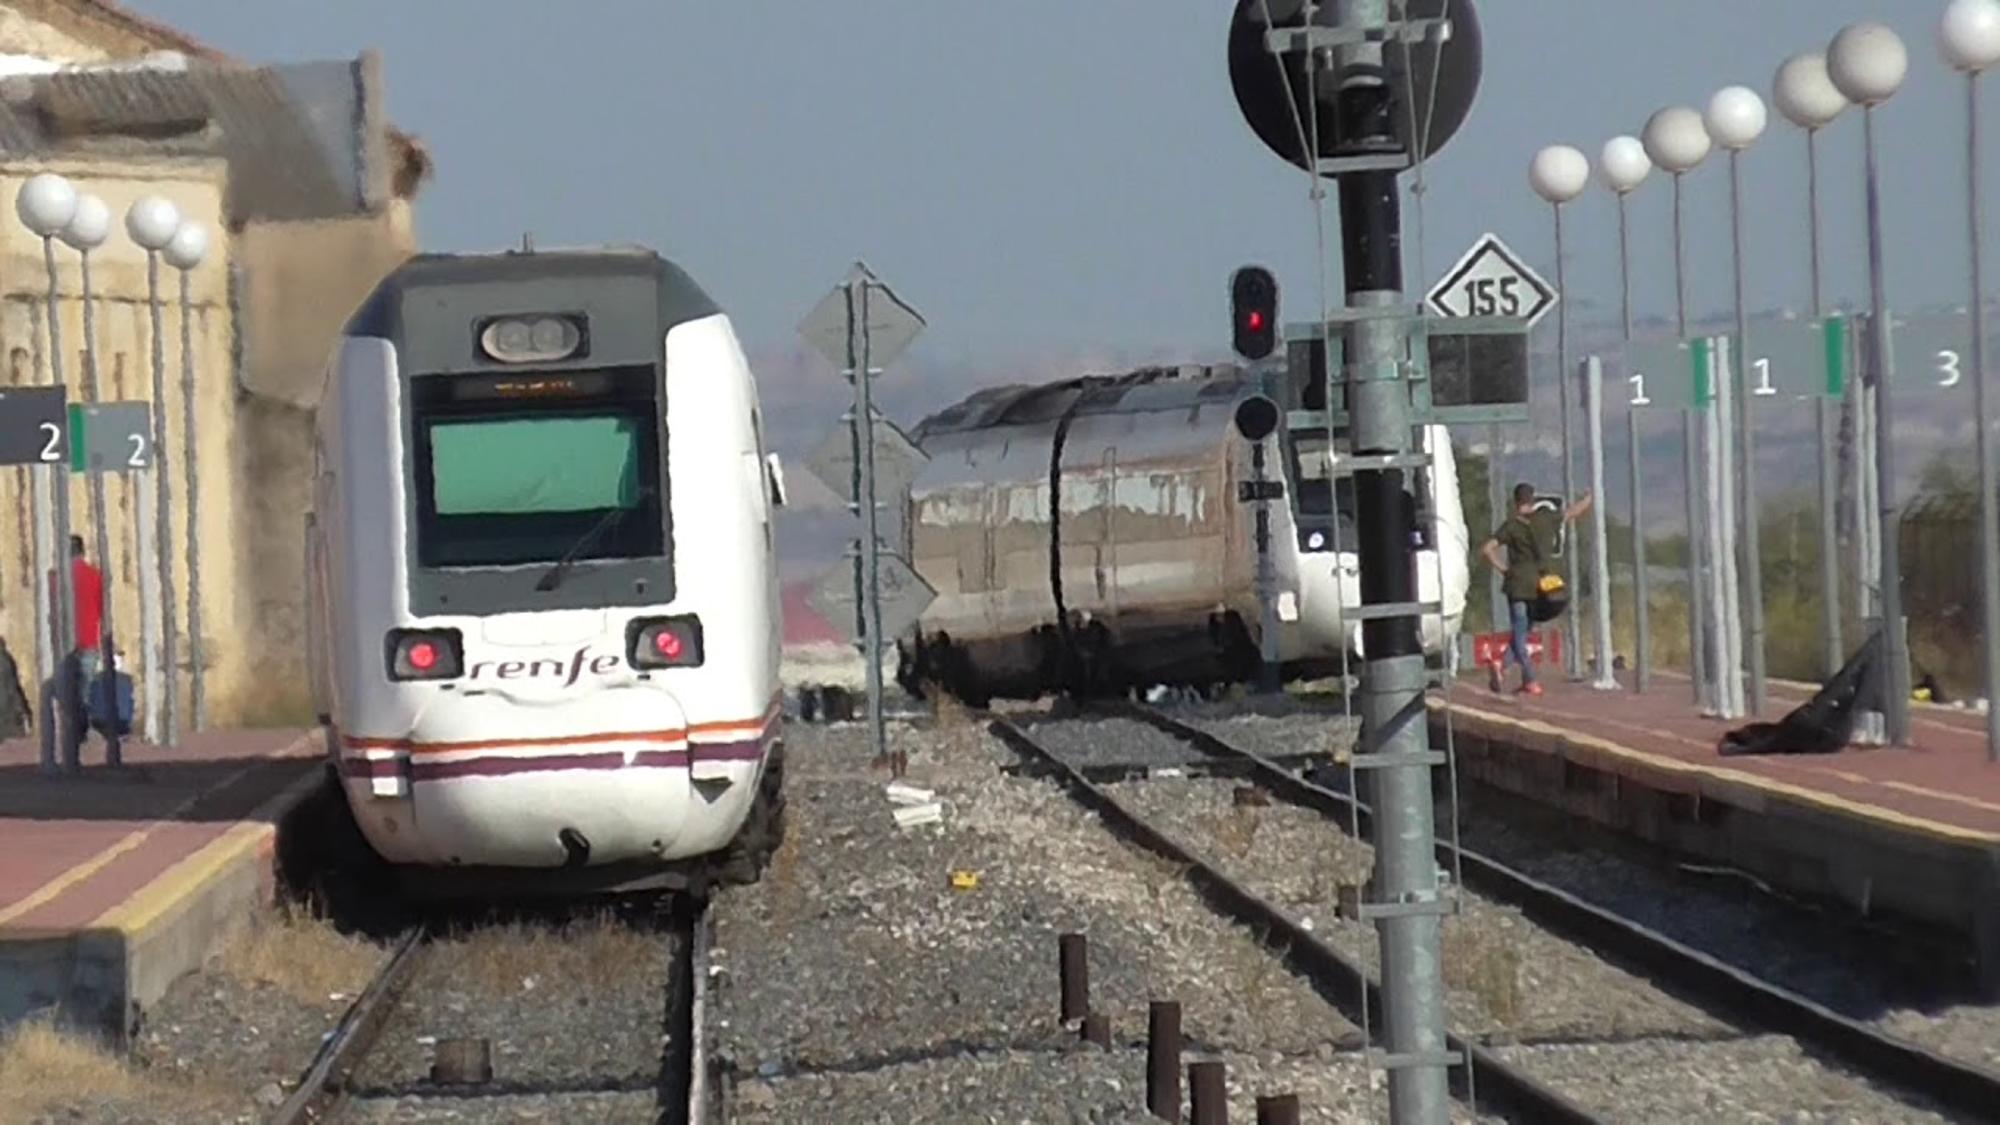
{"x": 87, "y": 586}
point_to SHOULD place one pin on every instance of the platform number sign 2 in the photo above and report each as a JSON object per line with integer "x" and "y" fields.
{"x": 1491, "y": 281}
{"x": 34, "y": 426}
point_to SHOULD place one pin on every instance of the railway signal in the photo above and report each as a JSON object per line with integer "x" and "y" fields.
{"x": 1382, "y": 87}
{"x": 861, "y": 326}
{"x": 1253, "y": 312}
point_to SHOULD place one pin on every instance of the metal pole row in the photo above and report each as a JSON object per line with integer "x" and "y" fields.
{"x": 1208, "y": 1101}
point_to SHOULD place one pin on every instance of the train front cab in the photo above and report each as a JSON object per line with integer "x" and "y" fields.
{"x": 537, "y": 681}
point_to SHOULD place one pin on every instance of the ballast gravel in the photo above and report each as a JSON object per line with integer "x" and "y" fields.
{"x": 857, "y": 969}
{"x": 1071, "y": 1088}
{"x": 1872, "y": 974}
{"x": 565, "y": 1007}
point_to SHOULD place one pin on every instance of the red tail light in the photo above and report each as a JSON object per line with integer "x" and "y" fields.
{"x": 664, "y": 642}
{"x": 425, "y": 654}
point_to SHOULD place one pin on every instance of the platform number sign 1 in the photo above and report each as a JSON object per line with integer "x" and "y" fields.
{"x": 1492, "y": 281}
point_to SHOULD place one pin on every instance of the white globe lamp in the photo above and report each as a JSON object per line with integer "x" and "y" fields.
{"x": 188, "y": 247}
{"x": 1867, "y": 62}
{"x": 46, "y": 204}
{"x": 151, "y": 222}
{"x": 1805, "y": 93}
{"x": 1969, "y": 35}
{"x": 1676, "y": 139}
{"x": 1624, "y": 164}
{"x": 90, "y": 224}
{"x": 1736, "y": 117}
{"x": 1559, "y": 174}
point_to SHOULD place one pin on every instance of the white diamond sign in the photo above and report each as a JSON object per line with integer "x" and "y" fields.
{"x": 1491, "y": 280}
{"x": 898, "y": 462}
{"x": 891, "y": 323}
{"x": 905, "y": 596}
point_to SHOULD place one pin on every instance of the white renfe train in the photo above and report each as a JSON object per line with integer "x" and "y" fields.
{"x": 542, "y": 590}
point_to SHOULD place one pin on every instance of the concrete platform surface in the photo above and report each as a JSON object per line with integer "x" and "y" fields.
{"x": 115, "y": 882}
{"x": 1908, "y": 832}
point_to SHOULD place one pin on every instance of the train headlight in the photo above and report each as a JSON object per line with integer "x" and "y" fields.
{"x": 540, "y": 338}
{"x": 664, "y": 642}
{"x": 425, "y": 654}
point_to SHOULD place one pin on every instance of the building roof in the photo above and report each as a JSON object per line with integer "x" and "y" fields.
{"x": 125, "y": 34}
{"x": 295, "y": 136}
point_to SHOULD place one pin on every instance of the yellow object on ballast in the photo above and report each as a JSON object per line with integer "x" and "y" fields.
{"x": 963, "y": 880}
{"x": 1551, "y": 583}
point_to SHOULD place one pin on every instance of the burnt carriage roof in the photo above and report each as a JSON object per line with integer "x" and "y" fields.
{"x": 291, "y": 134}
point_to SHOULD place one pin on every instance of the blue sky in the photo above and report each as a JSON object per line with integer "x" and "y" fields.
{"x": 1045, "y": 177}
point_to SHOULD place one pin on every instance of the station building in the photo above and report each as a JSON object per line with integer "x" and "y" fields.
{"x": 307, "y": 192}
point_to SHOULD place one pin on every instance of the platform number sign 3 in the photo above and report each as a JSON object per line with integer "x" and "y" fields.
{"x": 1491, "y": 281}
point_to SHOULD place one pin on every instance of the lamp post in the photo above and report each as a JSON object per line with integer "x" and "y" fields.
{"x": 45, "y": 205}
{"x": 1624, "y": 166}
{"x": 87, "y": 230}
{"x": 184, "y": 252}
{"x": 1867, "y": 63}
{"x": 1969, "y": 38}
{"x": 1736, "y": 118}
{"x": 151, "y": 222}
{"x": 1808, "y": 99}
{"x": 1559, "y": 174}
{"x": 1677, "y": 141}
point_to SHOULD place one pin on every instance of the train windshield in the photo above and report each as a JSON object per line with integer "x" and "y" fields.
{"x": 1324, "y": 506}
{"x": 528, "y": 469}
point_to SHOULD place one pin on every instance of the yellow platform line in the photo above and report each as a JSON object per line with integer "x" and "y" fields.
{"x": 54, "y": 888}
{"x": 177, "y": 883}
{"x": 1825, "y": 801}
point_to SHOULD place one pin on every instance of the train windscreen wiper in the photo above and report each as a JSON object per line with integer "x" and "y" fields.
{"x": 554, "y": 575}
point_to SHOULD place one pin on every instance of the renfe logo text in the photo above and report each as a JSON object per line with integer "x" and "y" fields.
{"x": 543, "y": 669}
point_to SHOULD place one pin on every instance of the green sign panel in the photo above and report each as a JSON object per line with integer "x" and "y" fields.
{"x": 110, "y": 437}
{"x": 1931, "y": 350}
{"x": 1798, "y": 359}
{"x": 1671, "y": 374}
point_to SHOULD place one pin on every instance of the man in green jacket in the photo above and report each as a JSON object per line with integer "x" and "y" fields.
{"x": 1529, "y": 537}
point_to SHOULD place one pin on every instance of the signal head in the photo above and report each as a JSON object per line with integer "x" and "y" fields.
{"x": 1441, "y": 80}
{"x": 1253, "y": 312}
{"x": 1256, "y": 417}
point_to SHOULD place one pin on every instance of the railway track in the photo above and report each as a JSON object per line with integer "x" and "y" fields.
{"x": 342, "y": 1081}
{"x": 1498, "y": 1083}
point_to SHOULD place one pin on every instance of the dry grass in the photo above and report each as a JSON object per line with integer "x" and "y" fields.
{"x": 596, "y": 951}
{"x": 1489, "y": 970}
{"x": 301, "y": 956}
{"x": 44, "y": 1070}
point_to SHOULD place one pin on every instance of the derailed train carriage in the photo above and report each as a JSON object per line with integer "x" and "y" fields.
{"x": 1144, "y": 570}
{"x": 542, "y": 589}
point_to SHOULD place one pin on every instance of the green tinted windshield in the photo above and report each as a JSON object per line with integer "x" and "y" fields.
{"x": 521, "y": 466}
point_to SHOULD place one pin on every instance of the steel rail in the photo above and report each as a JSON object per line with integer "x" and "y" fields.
{"x": 1339, "y": 980}
{"x": 1960, "y": 1086}
{"x": 323, "y": 1086}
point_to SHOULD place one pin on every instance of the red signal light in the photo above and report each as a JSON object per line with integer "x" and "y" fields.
{"x": 422, "y": 656}
{"x": 668, "y": 644}
{"x": 1256, "y": 320}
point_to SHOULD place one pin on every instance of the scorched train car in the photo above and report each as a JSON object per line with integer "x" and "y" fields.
{"x": 1145, "y": 570}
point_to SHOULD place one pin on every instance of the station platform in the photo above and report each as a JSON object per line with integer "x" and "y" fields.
{"x": 113, "y": 883}
{"x": 1911, "y": 833}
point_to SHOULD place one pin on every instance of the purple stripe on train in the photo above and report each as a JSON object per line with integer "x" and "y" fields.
{"x": 500, "y": 766}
